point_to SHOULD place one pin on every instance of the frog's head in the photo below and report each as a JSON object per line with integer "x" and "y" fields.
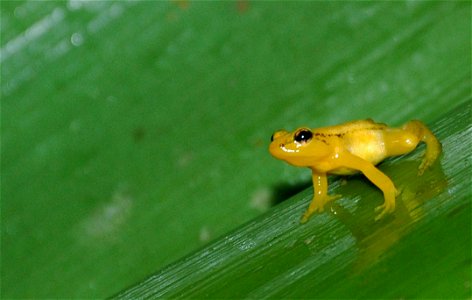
{"x": 298, "y": 148}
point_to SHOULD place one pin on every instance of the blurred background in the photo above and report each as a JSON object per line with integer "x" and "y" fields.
{"x": 134, "y": 133}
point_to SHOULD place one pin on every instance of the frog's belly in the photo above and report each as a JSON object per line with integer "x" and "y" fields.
{"x": 343, "y": 171}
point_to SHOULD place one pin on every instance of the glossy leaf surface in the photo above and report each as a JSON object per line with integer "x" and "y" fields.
{"x": 135, "y": 133}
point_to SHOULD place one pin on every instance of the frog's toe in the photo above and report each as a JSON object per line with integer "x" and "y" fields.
{"x": 423, "y": 166}
{"x": 308, "y": 214}
{"x": 333, "y": 197}
{"x": 317, "y": 206}
{"x": 426, "y": 163}
{"x": 398, "y": 191}
{"x": 304, "y": 219}
{"x": 380, "y": 216}
{"x": 385, "y": 209}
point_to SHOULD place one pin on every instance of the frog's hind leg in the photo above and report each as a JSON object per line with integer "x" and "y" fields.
{"x": 382, "y": 181}
{"x": 423, "y": 134}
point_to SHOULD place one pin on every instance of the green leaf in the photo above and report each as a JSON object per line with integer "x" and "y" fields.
{"x": 423, "y": 251}
{"x": 135, "y": 133}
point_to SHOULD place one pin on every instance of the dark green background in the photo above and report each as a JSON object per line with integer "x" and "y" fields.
{"x": 135, "y": 132}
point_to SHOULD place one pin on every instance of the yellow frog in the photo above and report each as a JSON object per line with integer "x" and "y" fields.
{"x": 349, "y": 148}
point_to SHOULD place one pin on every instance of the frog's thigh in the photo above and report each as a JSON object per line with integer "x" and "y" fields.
{"x": 399, "y": 141}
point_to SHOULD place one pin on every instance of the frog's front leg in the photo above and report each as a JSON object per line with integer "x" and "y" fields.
{"x": 320, "y": 195}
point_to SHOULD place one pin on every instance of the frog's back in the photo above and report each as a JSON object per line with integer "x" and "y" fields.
{"x": 363, "y": 138}
{"x": 351, "y": 127}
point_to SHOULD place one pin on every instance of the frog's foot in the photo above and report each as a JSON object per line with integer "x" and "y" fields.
{"x": 317, "y": 205}
{"x": 398, "y": 191}
{"x": 386, "y": 208}
{"x": 433, "y": 150}
{"x": 425, "y": 164}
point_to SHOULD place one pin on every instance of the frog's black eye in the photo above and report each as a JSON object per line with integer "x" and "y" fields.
{"x": 272, "y": 137}
{"x": 303, "y": 136}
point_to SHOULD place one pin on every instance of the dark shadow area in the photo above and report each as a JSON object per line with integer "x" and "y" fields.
{"x": 283, "y": 191}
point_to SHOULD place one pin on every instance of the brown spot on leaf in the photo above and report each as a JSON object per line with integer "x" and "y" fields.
{"x": 242, "y": 6}
{"x": 138, "y": 134}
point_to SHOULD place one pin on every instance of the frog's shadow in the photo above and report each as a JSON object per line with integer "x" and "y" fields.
{"x": 283, "y": 191}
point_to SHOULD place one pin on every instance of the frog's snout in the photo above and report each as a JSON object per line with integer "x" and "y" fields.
{"x": 278, "y": 134}
{"x": 275, "y": 148}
